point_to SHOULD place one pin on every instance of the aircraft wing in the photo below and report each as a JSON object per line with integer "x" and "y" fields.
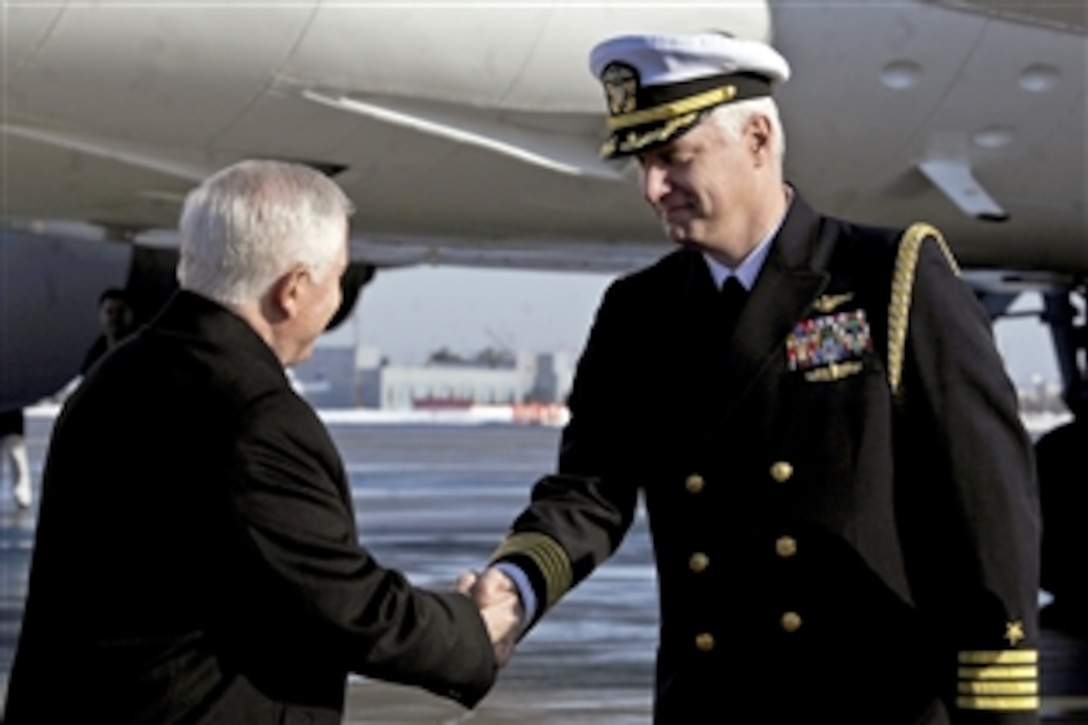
{"x": 469, "y": 135}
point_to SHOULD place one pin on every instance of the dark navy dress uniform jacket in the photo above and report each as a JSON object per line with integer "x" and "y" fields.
{"x": 196, "y": 556}
{"x": 825, "y": 552}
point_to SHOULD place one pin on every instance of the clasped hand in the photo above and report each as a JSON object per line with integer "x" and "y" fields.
{"x": 500, "y": 606}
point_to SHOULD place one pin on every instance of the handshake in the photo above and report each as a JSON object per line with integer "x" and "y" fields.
{"x": 499, "y": 602}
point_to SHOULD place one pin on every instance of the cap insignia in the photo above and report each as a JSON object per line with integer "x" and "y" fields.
{"x": 621, "y": 83}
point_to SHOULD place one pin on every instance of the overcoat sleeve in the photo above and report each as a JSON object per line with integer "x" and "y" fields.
{"x": 305, "y": 579}
{"x": 578, "y": 517}
{"x": 967, "y": 501}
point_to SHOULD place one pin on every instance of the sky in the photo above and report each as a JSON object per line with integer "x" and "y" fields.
{"x": 409, "y": 313}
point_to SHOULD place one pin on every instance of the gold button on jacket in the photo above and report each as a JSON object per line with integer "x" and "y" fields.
{"x": 698, "y": 562}
{"x": 785, "y": 546}
{"x": 791, "y": 621}
{"x": 704, "y": 641}
{"x": 781, "y": 471}
{"x": 694, "y": 483}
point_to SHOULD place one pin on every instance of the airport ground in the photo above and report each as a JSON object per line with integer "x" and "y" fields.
{"x": 432, "y": 500}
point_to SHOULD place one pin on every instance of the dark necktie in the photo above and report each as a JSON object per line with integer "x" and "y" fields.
{"x": 731, "y": 300}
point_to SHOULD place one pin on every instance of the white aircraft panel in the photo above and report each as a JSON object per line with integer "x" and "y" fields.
{"x": 25, "y": 28}
{"x": 535, "y": 57}
{"x": 167, "y": 74}
{"x": 868, "y": 111}
{"x": 1017, "y": 132}
{"x": 435, "y": 51}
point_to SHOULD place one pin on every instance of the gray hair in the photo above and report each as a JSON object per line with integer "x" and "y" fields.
{"x": 248, "y": 224}
{"x": 731, "y": 117}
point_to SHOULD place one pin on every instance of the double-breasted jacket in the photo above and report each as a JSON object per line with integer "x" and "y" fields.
{"x": 841, "y": 496}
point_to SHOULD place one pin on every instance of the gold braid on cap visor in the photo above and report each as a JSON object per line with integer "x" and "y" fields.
{"x": 698, "y": 102}
{"x": 633, "y": 142}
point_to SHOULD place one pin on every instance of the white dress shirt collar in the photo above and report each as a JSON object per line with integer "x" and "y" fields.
{"x": 750, "y": 266}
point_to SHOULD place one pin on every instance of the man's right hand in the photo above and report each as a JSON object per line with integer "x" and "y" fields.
{"x": 500, "y": 606}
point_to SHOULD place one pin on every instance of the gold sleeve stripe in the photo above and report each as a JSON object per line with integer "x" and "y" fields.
{"x": 542, "y": 550}
{"x": 997, "y": 703}
{"x": 906, "y": 260}
{"x": 999, "y": 687}
{"x": 698, "y": 102}
{"x": 999, "y": 672}
{"x": 548, "y": 556}
{"x": 534, "y": 546}
{"x": 999, "y": 657}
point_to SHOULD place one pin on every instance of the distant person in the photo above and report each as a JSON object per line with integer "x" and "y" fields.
{"x": 840, "y": 492}
{"x": 13, "y": 451}
{"x": 116, "y": 317}
{"x": 197, "y": 558}
{"x": 1063, "y": 493}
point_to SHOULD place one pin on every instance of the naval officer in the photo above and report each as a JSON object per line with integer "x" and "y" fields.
{"x": 839, "y": 489}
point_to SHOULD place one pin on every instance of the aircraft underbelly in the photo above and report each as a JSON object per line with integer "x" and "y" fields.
{"x": 484, "y": 126}
{"x": 535, "y": 57}
{"x": 970, "y": 116}
{"x": 168, "y": 75}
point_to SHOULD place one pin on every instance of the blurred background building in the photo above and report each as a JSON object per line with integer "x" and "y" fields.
{"x": 353, "y": 377}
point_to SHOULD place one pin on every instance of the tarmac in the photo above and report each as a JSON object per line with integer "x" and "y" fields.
{"x": 432, "y": 501}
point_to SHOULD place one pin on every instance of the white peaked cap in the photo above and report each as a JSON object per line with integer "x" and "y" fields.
{"x": 658, "y": 87}
{"x": 666, "y": 59}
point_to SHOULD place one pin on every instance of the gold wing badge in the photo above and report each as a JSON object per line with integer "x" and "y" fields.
{"x": 828, "y": 303}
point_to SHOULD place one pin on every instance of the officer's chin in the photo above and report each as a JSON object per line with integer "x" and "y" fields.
{"x": 301, "y": 355}
{"x": 682, "y": 234}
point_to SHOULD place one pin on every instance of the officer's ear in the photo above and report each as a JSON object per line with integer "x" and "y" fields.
{"x": 757, "y": 136}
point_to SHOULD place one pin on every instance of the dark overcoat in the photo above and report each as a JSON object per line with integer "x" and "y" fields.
{"x": 826, "y": 550}
{"x": 197, "y": 558}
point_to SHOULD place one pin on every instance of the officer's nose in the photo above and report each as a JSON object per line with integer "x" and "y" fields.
{"x": 655, "y": 183}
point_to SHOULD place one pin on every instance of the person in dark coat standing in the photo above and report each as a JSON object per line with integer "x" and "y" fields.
{"x": 840, "y": 491}
{"x": 1063, "y": 496}
{"x": 117, "y": 319}
{"x": 213, "y": 573}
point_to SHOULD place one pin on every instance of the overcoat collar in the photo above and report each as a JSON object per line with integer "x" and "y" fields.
{"x": 216, "y": 331}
